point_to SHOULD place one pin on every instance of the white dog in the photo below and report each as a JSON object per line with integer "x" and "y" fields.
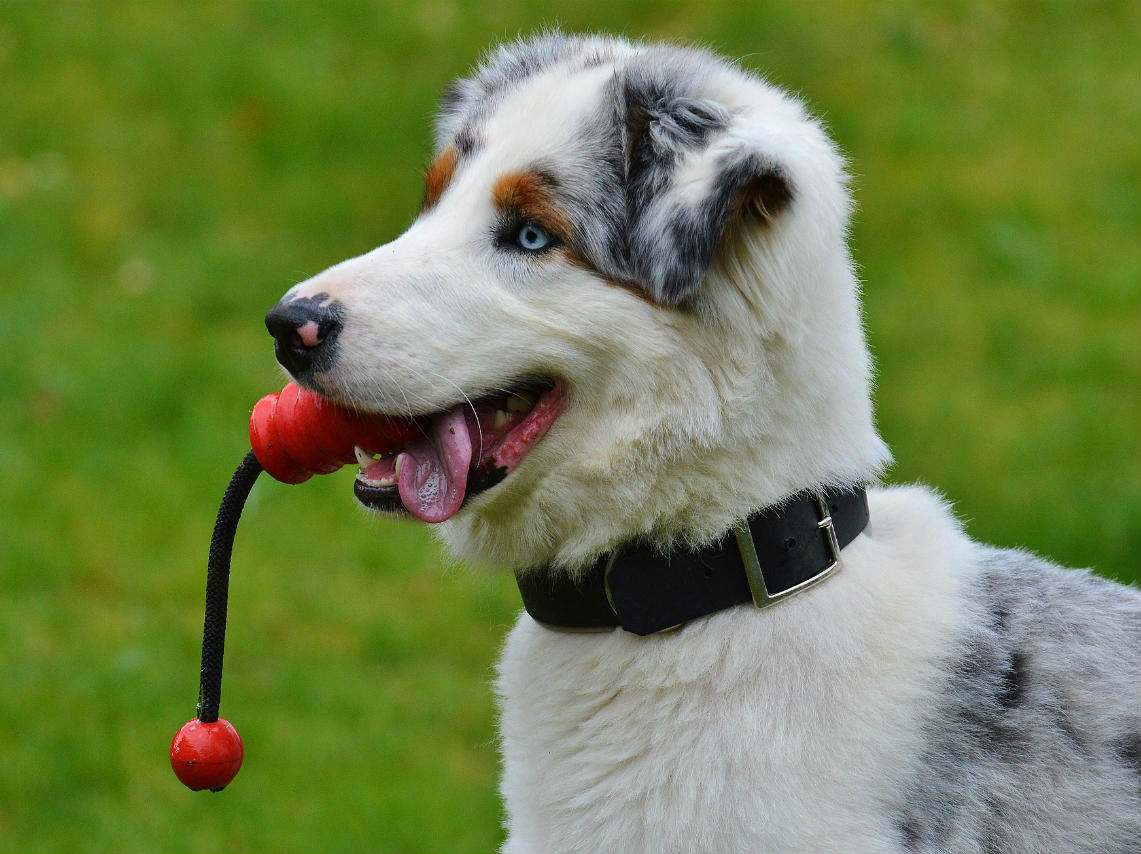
{"x": 627, "y": 326}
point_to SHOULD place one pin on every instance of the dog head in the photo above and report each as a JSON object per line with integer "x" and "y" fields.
{"x": 625, "y": 309}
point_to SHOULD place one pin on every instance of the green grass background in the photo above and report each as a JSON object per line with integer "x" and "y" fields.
{"x": 168, "y": 169}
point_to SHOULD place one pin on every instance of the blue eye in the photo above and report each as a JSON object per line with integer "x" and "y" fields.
{"x": 533, "y": 238}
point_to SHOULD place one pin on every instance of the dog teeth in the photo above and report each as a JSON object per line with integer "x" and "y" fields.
{"x": 364, "y": 458}
{"x": 501, "y": 418}
{"x": 375, "y": 481}
{"x": 399, "y": 464}
{"x": 378, "y": 481}
{"x": 520, "y": 402}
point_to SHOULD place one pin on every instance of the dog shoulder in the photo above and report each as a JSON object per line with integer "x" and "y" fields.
{"x": 1036, "y": 709}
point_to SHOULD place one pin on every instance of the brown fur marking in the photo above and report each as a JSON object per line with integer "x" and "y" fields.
{"x": 534, "y": 198}
{"x": 439, "y": 175}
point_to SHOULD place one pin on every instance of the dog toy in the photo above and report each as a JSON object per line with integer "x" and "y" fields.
{"x": 294, "y": 434}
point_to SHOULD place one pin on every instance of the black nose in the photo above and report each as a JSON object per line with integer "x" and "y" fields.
{"x": 305, "y": 333}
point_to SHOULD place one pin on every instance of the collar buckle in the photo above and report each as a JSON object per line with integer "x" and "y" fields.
{"x": 762, "y": 597}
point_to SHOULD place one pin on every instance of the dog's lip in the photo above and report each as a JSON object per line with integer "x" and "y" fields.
{"x": 387, "y": 498}
{"x": 500, "y": 448}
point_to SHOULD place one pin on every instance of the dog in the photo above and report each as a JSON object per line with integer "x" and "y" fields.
{"x": 626, "y": 327}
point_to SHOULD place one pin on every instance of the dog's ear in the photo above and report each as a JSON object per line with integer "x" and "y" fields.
{"x": 690, "y": 178}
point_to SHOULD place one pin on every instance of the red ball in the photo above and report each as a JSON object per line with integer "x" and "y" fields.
{"x": 206, "y": 756}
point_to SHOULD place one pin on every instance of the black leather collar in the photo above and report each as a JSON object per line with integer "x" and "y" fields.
{"x": 778, "y": 551}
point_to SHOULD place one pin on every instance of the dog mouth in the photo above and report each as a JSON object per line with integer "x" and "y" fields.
{"x": 457, "y": 452}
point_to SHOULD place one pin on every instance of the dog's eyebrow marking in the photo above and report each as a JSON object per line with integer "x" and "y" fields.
{"x": 439, "y": 175}
{"x": 577, "y": 260}
{"x": 532, "y": 195}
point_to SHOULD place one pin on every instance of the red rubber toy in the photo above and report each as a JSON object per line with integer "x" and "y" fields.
{"x": 206, "y": 755}
{"x": 296, "y": 434}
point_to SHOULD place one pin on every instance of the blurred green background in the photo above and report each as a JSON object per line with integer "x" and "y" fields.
{"x": 168, "y": 169}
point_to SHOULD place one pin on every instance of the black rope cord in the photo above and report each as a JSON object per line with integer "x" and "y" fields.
{"x": 218, "y": 586}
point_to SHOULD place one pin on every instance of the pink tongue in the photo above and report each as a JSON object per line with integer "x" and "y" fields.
{"x": 433, "y": 476}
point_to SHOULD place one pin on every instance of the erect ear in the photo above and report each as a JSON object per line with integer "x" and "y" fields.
{"x": 690, "y": 177}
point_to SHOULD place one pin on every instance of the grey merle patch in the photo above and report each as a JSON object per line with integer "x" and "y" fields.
{"x": 620, "y": 184}
{"x": 1015, "y": 730}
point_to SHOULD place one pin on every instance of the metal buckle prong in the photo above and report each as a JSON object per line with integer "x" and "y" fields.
{"x": 762, "y": 598}
{"x": 606, "y": 581}
{"x": 826, "y": 525}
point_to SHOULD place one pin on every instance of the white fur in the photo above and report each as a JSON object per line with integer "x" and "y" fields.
{"x": 744, "y": 731}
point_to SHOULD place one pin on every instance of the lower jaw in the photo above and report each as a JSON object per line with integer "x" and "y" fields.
{"x": 386, "y": 499}
{"x": 383, "y": 498}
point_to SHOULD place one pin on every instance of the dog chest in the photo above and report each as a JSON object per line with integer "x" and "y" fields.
{"x": 787, "y": 729}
